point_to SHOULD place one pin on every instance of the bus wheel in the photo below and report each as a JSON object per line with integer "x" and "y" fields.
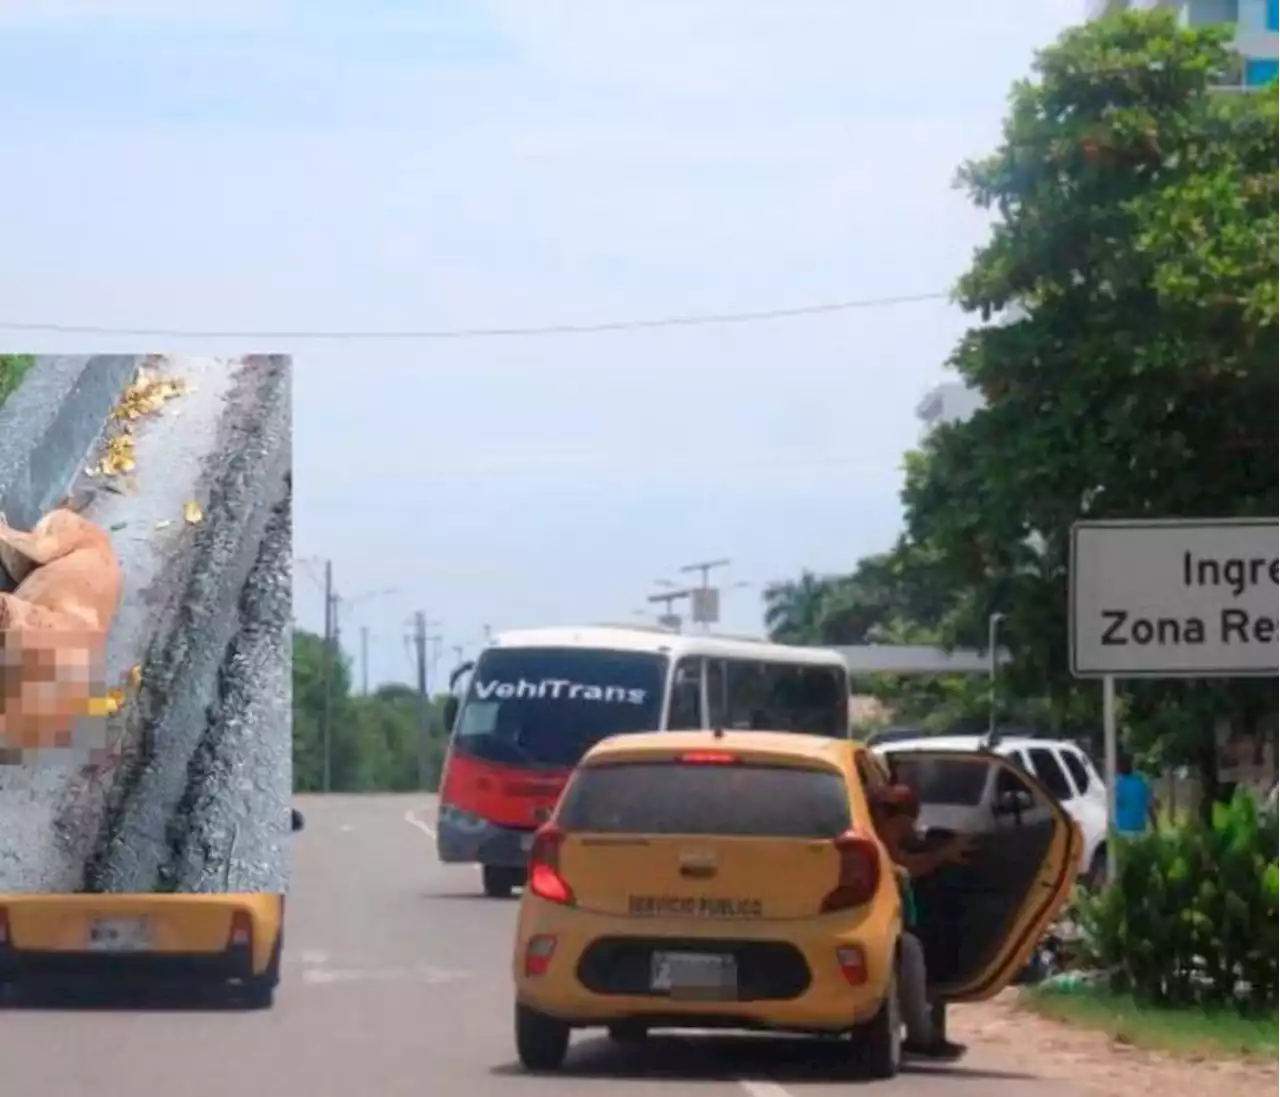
{"x": 500, "y": 882}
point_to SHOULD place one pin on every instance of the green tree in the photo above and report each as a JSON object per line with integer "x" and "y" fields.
{"x": 374, "y": 739}
{"x": 13, "y": 367}
{"x": 793, "y": 607}
{"x": 1133, "y": 262}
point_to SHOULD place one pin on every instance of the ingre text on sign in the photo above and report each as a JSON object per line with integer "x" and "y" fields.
{"x": 1174, "y": 598}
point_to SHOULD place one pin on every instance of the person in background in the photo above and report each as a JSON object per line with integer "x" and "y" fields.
{"x": 896, "y": 814}
{"x": 1135, "y": 807}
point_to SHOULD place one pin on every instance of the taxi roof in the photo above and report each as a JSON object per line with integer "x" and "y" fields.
{"x": 773, "y": 744}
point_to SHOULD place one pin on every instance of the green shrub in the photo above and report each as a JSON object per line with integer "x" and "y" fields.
{"x": 1191, "y": 917}
{"x": 12, "y": 369}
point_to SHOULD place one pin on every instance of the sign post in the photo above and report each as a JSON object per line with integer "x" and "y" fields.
{"x": 1171, "y": 598}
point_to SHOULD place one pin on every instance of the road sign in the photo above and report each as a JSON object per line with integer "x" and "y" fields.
{"x": 1174, "y": 598}
{"x": 706, "y": 605}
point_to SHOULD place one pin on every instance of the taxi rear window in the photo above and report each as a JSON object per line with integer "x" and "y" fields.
{"x": 679, "y": 798}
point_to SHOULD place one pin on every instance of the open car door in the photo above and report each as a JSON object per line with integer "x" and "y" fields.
{"x": 979, "y": 922}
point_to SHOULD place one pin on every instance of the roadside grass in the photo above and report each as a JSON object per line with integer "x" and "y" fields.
{"x": 13, "y": 368}
{"x": 1188, "y": 1033}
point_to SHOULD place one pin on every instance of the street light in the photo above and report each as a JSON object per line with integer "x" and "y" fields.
{"x": 993, "y": 635}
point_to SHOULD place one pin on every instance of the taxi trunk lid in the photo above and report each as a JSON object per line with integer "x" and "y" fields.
{"x": 715, "y": 836}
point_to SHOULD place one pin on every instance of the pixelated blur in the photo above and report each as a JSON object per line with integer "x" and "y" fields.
{"x": 52, "y": 696}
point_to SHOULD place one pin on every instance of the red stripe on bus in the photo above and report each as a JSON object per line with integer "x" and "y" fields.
{"x": 505, "y": 795}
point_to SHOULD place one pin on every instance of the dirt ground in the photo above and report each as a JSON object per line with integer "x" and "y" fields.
{"x": 1096, "y": 1064}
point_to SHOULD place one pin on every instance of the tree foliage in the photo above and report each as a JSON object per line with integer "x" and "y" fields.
{"x": 374, "y": 738}
{"x": 1133, "y": 258}
{"x": 1125, "y": 309}
{"x": 13, "y": 367}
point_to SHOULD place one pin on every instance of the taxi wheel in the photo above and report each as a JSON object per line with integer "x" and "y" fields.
{"x": 877, "y": 1044}
{"x": 260, "y": 994}
{"x": 542, "y": 1042}
{"x": 628, "y": 1032}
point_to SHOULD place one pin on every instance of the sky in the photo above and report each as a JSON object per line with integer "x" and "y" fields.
{"x": 274, "y": 166}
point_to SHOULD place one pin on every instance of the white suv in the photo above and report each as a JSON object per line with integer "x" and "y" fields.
{"x": 1061, "y": 766}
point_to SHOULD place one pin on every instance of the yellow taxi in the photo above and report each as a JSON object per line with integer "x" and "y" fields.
{"x": 203, "y": 941}
{"x": 707, "y": 879}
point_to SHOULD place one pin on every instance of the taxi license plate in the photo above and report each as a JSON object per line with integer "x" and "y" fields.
{"x": 119, "y": 935}
{"x": 695, "y": 974}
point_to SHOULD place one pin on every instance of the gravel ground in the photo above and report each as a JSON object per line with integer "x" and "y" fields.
{"x": 185, "y": 675}
{"x": 236, "y": 807}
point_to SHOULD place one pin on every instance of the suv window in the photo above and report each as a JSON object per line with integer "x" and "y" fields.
{"x": 1079, "y": 771}
{"x": 937, "y": 781}
{"x": 1050, "y": 772}
{"x": 740, "y": 800}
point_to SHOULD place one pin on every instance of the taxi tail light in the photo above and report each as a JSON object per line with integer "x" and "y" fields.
{"x": 859, "y": 873}
{"x": 538, "y": 953}
{"x": 545, "y": 880}
{"x": 853, "y": 965}
{"x": 241, "y": 930}
{"x": 708, "y": 758}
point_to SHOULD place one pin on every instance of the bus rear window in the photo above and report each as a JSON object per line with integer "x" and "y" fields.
{"x": 728, "y": 800}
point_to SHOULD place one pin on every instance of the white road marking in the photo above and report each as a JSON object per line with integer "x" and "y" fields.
{"x": 411, "y": 817}
{"x": 763, "y": 1088}
{"x": 431, "y": 976}
{"x": 312, "y": 957}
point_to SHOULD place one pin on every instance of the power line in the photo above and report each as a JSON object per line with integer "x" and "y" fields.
{"x": 604, "y": 327}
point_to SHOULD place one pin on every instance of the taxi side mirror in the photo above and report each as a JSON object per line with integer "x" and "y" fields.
{"x": 297, "y": 821}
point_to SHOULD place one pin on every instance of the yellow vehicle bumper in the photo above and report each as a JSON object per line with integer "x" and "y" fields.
{"x": 789, "y": 973}
{"x": 184, "y": 938}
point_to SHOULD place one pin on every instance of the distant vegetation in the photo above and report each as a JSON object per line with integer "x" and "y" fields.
{"x": 13, "y": 367}
{"x": 374, "y": 739}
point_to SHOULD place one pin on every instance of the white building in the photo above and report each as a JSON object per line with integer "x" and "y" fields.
{"x": 1256, "y": 23}
{"x": 949, "y": 402}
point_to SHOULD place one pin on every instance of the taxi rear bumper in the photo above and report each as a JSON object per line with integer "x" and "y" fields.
{"x": 110, "y": 971}
{"x": 789, "y": 974}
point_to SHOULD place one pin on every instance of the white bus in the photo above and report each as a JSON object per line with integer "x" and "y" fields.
{"x": 538, "y": 699}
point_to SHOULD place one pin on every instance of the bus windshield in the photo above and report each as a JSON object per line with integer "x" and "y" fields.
{"x": 546, "y": 707}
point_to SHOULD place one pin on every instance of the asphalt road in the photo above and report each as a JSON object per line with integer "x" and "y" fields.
{"x": 396, "y": 982}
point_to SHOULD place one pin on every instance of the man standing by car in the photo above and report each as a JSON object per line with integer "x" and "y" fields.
{"x": 897, "y": 815}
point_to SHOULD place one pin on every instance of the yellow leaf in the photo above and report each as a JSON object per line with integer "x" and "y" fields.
{"x": 135, "y": 676}
{"x": 192, "y": 513}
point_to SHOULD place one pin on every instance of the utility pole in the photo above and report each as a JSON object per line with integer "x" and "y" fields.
{"x": 424, "y": 711}
{"x": 326, "y": 676}
{"x": 705, "y": 599}
{"x": 669, "y": 618}
{"x": 420, "y": 642}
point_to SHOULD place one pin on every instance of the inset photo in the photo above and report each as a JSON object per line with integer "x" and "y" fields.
{"x": 145, "y": 608}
